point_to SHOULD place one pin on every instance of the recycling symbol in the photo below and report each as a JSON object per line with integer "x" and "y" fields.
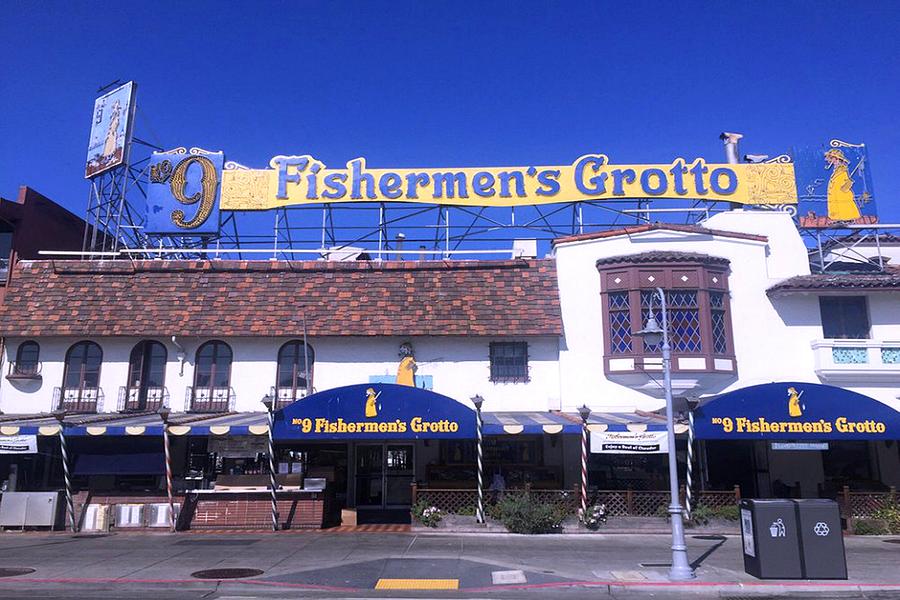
{"x": 821, "y": 529}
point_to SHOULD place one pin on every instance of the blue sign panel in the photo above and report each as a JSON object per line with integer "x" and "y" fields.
{"x": 795, "y": 411}
{"x": 183, "y": 192}
{"x": 374, "y": 411}
{"x": 834, "y": 185}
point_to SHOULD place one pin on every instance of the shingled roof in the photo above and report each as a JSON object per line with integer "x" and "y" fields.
{"x": 270, "y": 298}
{"x": 887, "y": 280}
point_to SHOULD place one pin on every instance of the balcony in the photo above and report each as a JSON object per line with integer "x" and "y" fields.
{"x": 149, "y": 399}
{"x": 78, "y": 400}
{"x": 857, "y": 361}
{"x": 28, "y": 371}
{"x": 285, "y": 396}
{"x": 209, "y": 400}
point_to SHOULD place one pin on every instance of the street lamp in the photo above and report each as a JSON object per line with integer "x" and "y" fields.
{"x": 653, "y": 334}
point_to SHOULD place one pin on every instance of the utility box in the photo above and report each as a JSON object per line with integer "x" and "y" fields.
{"x": 770, "y": 539}
{"x": 821, "y": 539}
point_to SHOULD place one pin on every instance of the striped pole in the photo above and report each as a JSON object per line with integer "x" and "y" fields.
{"x": 585, "y": 412}
{"x": 689, "y": 480}
{"x": 70, "y": 504}
{"x": 164, "y": 415}
{"x": 268, "y": 401}
{"x": 479, "y": 426}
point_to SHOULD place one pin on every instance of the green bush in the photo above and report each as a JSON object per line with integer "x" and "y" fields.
{"x": 466, "y": 511}
{"x": 426, "y": 514}
{"x": 871, "y": 527}
{"x": 890, "y": 514}
{"x": 521, "y": 513}
{"x": 702, "y": 515}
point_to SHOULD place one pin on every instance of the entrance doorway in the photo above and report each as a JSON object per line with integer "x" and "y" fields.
{"x": 384, "y": 475}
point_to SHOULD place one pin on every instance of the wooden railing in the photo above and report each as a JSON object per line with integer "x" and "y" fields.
{"x": 862, "y": 505}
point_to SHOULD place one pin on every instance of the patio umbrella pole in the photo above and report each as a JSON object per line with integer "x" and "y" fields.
{"x": 70, "y": 505}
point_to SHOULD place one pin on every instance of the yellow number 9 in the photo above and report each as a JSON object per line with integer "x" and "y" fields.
{"x": 206, "y": 196}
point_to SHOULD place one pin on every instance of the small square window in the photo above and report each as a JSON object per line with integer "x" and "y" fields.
{"x": 509, "y": 361}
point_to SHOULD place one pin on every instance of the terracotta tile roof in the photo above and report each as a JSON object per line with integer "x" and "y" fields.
{"x": 664, "y": 256}
{"x": 598, "y": 235}
{"x": 889, "y": 280}
{"x": 269, "y": 298}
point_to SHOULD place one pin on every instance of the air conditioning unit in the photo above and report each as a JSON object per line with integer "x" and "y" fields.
{"x": 158, "y": 514}
{"x": 129, "y": 515}
{"x": 96, "y": 518}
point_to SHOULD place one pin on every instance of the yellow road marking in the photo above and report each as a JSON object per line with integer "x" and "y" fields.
{"x": 417, "y": 584}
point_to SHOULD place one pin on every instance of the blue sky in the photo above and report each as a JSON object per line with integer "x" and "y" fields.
{"x": 450, "y": 83}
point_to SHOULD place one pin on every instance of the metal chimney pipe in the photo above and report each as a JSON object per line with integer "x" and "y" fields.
{"x": 731, "y": 146}
{"x": 400, "y": 238}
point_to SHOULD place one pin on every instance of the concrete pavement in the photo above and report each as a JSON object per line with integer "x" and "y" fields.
{"x": 318, "y": 564}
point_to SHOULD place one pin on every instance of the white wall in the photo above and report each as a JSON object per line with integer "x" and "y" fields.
{"x": 771, "y": 336}
{"x": 459, "y": 367}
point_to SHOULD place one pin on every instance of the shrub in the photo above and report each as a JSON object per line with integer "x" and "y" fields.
{"x": 521, "y": 513}
{"x": 702, "y": 515}
{"x": 890, "y": 514}
{"x": 427, "y": 515}
{"x": 871, "y": 527}
{"x": 466, "y": 511}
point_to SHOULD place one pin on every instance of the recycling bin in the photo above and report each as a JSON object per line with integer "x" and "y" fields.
{"x": 770, "y": 539}
{"x": 821, "y": 541}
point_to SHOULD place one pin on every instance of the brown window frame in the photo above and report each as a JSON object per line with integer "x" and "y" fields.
{"x": 495, "y": 377}
{"x": 636, "y": 274}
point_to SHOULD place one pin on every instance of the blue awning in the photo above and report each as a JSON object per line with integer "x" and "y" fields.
{"x": 374, "y": 411}
{"x": 513, "y": 423}
{"x": 120, "y": 464}
{"x": 143, "y": 424}
{"x": 793, "y": 410}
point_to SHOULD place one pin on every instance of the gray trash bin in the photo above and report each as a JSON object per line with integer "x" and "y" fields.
{"x": 770, "y": 538}
{"x": 821, "y": 540}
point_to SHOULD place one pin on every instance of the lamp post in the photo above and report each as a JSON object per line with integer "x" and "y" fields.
{"x": 164, "y": 415}
{"x": 269, "y": 402}
{"x": 585, "y": 412}
{"x": 653, "y": 334}
{"x": 479, "y": 509}
{"x": 60, "y": 416}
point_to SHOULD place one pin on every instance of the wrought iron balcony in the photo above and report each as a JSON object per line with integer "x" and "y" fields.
{"x": 149, "y": 399}
{"x": 865, "y": 361}
{"x": 28, "y": 370}
{"x": 285, "y": 395}
{"x": 78, "y": 400}
{"x": 209, "y": 399}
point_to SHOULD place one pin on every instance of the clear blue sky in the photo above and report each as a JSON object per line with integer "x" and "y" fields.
{"x": 450, "y": 83}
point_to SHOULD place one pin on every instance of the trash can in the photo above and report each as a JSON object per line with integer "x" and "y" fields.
{"x": 770, "y": 538}
{"x": 821, "y": 540}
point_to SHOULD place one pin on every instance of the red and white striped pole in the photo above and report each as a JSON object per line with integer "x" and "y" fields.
{"x": 585, "y": 412}
{"x": 164, "y": 415}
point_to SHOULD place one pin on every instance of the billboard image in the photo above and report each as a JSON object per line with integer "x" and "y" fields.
{"x": 834, "y": 185}
{"x": 110, "y": 130}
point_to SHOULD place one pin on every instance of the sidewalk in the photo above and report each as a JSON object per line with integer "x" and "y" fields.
{"x": 361, "y": 564}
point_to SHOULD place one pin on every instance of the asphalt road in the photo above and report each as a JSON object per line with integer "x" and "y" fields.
{"x": 351, "y": 565}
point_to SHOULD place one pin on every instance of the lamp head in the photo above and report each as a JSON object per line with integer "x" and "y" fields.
{"x": 268, "y": 402}
{"x": 652, "y": 333}
{"x": 163, "y": 413}
{"x": 477, "y": 400}
{"x": 59, "y": 414}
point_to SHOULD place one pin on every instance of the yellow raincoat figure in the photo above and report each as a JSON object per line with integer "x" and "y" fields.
{"x": 406, "y": 371}
{"x": 794, "y": 407}
{"x": 371, "y": 407}
{"x": 841, "y": 204}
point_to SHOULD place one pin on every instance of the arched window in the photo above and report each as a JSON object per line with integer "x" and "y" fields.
{"x": 81, "y": 378}
{"x": 28, "y": 360}
{"x": 295, "y": 369}
{"x": 146, "y": 377}
{"x": 212, "y": 378}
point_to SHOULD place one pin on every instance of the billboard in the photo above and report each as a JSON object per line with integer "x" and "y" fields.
{"x": 110, "y": 130}
{"x": 834, "y": 185}
{"x": 183, "y": 193}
